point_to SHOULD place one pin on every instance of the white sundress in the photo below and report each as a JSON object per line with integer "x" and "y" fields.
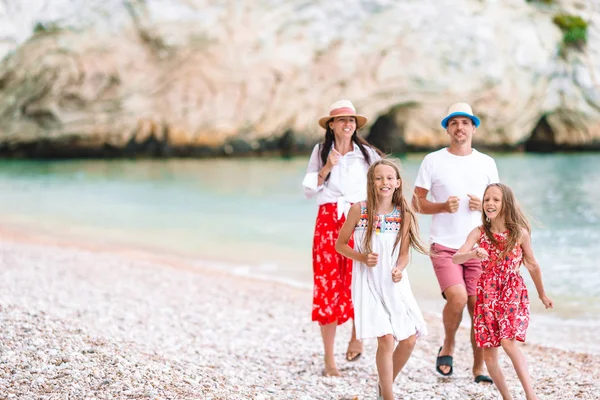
{"x": 382, "y": 307}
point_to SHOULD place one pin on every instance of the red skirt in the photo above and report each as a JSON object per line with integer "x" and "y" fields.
{"x": 332, "y": 299}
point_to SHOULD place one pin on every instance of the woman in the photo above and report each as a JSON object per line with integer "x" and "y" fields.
{"x": 337, "y": 176}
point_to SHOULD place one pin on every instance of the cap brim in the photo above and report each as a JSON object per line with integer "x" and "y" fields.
{"x": 360, "y": 120}
{"x": 460, "y": 114}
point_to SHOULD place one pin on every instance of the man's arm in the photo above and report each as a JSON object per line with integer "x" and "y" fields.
{"x": 424, "y": 206}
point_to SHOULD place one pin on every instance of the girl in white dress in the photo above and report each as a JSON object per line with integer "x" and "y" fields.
{"x": 384, "y": 227}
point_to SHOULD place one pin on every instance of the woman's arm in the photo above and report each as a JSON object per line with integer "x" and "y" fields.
{"x": 467, "y": 252}
{"x": 314, "y": 178}
{"x": 315, "y": 174}
{"x": 341, "y": 244}
{"x": 534, "y": 268}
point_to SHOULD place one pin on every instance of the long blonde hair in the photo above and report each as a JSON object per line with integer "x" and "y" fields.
{"x": 514, "y": 219}
{"x": 399, "y": 201}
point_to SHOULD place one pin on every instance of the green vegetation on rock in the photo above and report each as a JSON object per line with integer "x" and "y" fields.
{"x": 44, "y": 27}
{"x": 574, "y": 29}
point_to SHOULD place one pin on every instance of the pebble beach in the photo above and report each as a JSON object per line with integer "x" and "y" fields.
{"x": 101, "y": 322}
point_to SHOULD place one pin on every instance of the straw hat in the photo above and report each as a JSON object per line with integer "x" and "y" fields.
{"x": 460, "y": 110}
{"x": 342, "y": 108}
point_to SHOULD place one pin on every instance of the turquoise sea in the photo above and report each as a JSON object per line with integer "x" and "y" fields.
{"x": 249, "y": 216}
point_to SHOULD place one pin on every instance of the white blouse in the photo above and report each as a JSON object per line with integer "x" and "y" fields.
{"x": 347, "y": 183}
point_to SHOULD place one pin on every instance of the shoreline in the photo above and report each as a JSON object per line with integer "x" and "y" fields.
{"x": 103, "y": 321}
{"x": 576, "y": 334}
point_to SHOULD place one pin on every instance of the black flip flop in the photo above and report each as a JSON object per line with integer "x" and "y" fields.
{"x": 444, "y": 360}
{"x": 483, "y": 378}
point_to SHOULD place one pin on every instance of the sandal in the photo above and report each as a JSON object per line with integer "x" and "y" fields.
{"x": 355, "y": 349}
{"x": 379, "y": 396}
{"x": 445, "y": 361}
{"x": 483, "y": 378}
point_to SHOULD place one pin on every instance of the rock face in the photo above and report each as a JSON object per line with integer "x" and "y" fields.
{"x": 199, "y": 78}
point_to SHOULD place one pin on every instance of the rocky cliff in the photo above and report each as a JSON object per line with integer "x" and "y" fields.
{"x": 206, "y": 77}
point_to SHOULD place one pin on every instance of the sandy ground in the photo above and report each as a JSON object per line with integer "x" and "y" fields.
{"x": 82, "y": 321}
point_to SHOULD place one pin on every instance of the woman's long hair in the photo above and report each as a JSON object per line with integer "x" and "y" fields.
{"x": 514, "y": 219}
{"x": 407, "y": 214}
{"x": 330, "y": 139}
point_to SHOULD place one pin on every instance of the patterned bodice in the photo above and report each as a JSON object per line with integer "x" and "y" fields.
{"x": 384, "y": 223}
{"x": 511, "y": 261}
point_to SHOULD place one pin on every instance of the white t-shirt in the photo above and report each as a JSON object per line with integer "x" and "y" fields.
{"x": 347, "y": 183}
{"x": 444, "y": 174}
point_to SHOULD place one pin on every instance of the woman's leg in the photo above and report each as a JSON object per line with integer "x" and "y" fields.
{"x": 355, "y": 346}
{"x": 520, "y": 364}
{"x": 328, "y": 334}
{"x": 353, "y": 337}
{"x": 402, "y": 353}
{"x": 385, "y": 365}
{"x": 490, "y": 356}
{"x": 325, "y": 275}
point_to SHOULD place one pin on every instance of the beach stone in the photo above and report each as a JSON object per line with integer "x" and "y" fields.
{"x": 278, "y": 358}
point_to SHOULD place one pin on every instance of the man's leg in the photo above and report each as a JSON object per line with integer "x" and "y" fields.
{"x": 456, "y": 299}
{"x": 450, "y": 276}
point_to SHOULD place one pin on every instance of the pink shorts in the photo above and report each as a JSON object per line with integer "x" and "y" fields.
{"x": 450, "y": 274}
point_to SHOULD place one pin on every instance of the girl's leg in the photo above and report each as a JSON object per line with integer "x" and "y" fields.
{"x": 402, "y": 353}
{"x": 520, "y": 364}
{"x": 355, "y": 346}
{"x": 490, "y": 356}
{"x": 385, "y": 365}
{"x": 328, "y": 334}
{"x": 477, "y": 351}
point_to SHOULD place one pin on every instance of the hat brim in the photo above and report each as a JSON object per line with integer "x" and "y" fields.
{"x": 460, "y": 114}
{"x": 360, "y": 120}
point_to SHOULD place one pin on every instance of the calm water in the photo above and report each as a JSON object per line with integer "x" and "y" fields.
{"x": 250, "y": 215}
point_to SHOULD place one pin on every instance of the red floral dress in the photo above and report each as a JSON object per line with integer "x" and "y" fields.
{"x": 502, "y": 306}
{"x": 332, "y": 272}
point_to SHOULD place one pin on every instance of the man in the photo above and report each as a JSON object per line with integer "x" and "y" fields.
{"x": 456, "y": 177}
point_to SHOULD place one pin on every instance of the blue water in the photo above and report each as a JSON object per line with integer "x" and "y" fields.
{"x": 250, "y": 214}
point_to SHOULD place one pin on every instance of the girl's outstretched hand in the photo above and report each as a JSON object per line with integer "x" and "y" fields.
{"x": 396, "y": 275}
{"x": 548, "y": 303}
{"x": 371, "y": 259}
{"x": 480, "y": 253}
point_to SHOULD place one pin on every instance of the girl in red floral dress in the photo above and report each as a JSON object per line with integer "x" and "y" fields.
{"x": 502, "y": 307}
